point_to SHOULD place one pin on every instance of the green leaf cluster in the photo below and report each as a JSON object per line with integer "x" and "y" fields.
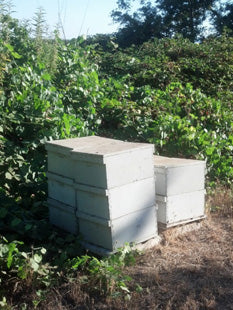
{"x": 105, "y": 276}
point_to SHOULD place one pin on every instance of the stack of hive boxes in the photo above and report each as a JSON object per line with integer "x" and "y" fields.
{"x": 103, "y": 188}
{"x": 180, "y": 190}
{"x": 61, "y": 174}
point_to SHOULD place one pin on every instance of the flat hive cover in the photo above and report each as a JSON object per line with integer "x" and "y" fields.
{"x": 169, "y": 162}
{"x": 66, "y": 145}
{"x": 98, "y": 152}
{"x": 110, "y": 148}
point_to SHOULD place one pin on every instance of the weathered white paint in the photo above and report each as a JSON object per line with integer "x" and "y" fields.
{"x": 111, "y": 234}
{"x": 62, "y": 216}
{"x": 176, "y": 176}
{"x": 118, "y": 201}
{"x": 113, "y": 165}
{"x": 172, "y": 210}
{"x": 61, "y": 189}
{"x": 59, "y": 159}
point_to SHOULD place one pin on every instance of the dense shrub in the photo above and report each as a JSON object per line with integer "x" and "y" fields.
{"x": 170, "y": 92}
{"x": 207, "y": 65}
{"x": 35, "y": 108}
{"x": 181, "y": 122}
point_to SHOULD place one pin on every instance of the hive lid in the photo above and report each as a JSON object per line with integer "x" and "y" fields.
{"x": 169, "y": 162}
{"x": 64, "y": 146}
{"x": 97, "y": 152}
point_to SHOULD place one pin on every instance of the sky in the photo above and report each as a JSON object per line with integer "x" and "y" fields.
{"x": 78, "y": 17}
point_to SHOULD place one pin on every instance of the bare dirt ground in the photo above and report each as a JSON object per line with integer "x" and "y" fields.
{"x": 189, "y": 271}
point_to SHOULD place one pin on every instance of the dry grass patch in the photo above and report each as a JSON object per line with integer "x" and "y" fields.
{"x": 192, "y": 270}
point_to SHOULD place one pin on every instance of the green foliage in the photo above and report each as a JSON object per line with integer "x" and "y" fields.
{"x": 35, "y": 107}
{"x": 157, "y": 63}
{"x": 26, "y": 266}
{"x": 180, "y": 121}
{"x": 170, "y": 92}
{"x": 105, "y": 276}
{"x": 188, "y": 123}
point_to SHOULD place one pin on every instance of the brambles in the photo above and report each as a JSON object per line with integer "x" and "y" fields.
{"x": 170, "y": 92}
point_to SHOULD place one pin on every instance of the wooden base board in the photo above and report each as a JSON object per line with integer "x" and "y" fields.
{"x": 182, "y": 226}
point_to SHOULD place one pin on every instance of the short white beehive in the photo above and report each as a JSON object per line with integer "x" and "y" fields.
{"x": 176, "y": 176}
{"x": 180, "y": 190}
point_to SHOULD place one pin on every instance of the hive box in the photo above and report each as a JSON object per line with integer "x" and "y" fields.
{"x": 108, "y": 235}
{"x": 62, "y": 216}
{"x": 61, "y": 189}
{"x": 180, "y": 209}
{"x": 115, "y": 202}
{"x": 176, "y": 176}
{"x": 113, "y": 163}
{"x": 59, "y": 161}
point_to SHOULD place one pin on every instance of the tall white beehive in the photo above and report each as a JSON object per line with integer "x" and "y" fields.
{"x": 180, "y": 190}
{"x": 108, "y": 184}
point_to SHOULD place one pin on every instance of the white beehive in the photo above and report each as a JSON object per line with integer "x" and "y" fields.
{"x": 176, "y": 176}
{"x": 107, "y": 185}
{"x": 180, "y": 190}
{"x": 113, "y": 164}
{"x": 179, "y": 209}
{"x": 62, "y": 216}
{"x": 108, "y": 235}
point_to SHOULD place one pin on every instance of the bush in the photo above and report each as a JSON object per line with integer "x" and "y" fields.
{"x": 35, "y": 108}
